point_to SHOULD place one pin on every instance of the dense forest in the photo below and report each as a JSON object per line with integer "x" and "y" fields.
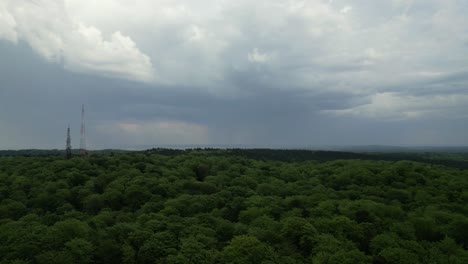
{"x": 236, "y": 206}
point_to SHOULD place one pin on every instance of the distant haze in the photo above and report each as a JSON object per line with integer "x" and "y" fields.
{"x": 261, "y": 73}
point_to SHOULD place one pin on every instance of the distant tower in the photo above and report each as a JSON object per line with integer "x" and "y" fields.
{"x": 83, "y": 151}
{"x": 68, "y": 152}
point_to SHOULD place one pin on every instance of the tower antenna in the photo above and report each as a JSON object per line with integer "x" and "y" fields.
{"x": 68, "y": 152}
{"x": 83, "y": 151}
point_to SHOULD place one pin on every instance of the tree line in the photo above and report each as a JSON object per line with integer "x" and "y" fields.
{"x": 214, "y": 206}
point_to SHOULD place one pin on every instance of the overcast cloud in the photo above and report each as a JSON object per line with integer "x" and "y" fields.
{"x": 264, "y": 72}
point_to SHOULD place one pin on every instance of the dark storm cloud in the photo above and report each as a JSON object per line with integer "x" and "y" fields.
{"x": 269, "y": 73}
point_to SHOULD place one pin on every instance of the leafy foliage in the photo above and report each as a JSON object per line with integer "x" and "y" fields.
{"x": 216, "y": 206}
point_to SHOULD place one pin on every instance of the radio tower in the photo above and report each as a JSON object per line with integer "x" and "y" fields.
{"x": 83, "y": 151}
{"x": 68, "y": 152}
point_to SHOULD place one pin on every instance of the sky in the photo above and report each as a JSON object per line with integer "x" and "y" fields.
{"x": 264, "y": 73}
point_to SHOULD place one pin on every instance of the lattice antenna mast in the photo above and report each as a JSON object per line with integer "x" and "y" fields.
{"x": 68, "y": 151}
{"x": 83, "y": 151}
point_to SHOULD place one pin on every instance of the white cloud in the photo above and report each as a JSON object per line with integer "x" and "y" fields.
{"x": 256, "y": 56}
{"x": 7, "y": 23}
{"x": 47, "y": 28}
{"x": 346, "y": 9}
{"x": 117, "y": 57}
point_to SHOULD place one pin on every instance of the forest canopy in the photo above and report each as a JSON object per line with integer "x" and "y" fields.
{"x": 217, "y": 206}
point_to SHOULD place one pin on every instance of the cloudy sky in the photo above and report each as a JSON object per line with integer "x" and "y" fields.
{"x": 264, "y": 72}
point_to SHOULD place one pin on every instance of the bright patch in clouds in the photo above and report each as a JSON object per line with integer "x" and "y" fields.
{"x": 257, "y": 56}
{"x": 393, "y": 106}
{"x": 346, "y": 9}
{"x": 156, "y": 132}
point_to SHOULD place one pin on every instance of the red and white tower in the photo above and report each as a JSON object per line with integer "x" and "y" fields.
{"x": 83, "y": 151}
{"x": 68, "y": 151}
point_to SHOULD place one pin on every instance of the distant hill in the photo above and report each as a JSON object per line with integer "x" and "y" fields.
{"x": 456, "y": 160}
{"x": 383, "y": 148}
{"x": 449, "y": 156}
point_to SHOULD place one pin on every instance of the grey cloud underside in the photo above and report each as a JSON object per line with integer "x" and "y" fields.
{"x": 268, "y": 73}
{"x": 37, "y": 107}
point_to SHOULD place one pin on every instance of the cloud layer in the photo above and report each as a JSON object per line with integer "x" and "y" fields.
{"x": 241, "y": 71}
{"x": 360, "y": 49}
